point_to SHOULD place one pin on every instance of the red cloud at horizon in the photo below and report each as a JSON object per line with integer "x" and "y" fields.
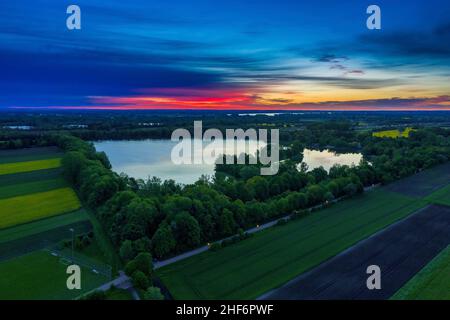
{"x": 229, "y": 99}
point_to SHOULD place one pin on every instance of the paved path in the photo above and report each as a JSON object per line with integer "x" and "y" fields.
{"x": 121, "y": 282}
{"x": 194, "y": 252}
{"x": 160, "y": 264}
{"x": 401, "y": 250}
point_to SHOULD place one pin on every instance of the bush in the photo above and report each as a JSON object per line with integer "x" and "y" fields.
{"x": 153, "y": 293}
{"x": 126, "y": 250}
{"x": 130, "y": 268}
{"x": 215, "y": 246}
{"x": 144, "y": 263}
{"x": 140, "y": 280}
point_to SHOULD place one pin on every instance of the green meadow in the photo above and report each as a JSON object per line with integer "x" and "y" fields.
{"x": 19, "y": 189}
{"x": 40, "y": 275}
{"x": 441, "y": 196}
{"x": 431, "y": 283}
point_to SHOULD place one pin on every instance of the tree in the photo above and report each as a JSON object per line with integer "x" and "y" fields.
{"x": 227, "y": 225}
{"x": 186, "y": 230}
{"x": 142, "y": 245}
{"x": 144, "y": 263}
{"x": 130, "y": 268}
{"x": 320, "y": 174}
{"x": 259, "y": 186}
{"x": 72, "y": 163}
{"x": 126, "y": 250}
{"x": 153, "y": 293}
{"x": 140, "y": 280}
{"x": 315, "y": 194}
{"x": 350, "y": 189}
{"x": 163, "y": 241}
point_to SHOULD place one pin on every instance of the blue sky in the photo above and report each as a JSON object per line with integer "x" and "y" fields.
{"x": 225, "y": 55}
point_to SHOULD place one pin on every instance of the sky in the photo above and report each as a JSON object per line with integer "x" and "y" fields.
{"x": 225, "y": 55}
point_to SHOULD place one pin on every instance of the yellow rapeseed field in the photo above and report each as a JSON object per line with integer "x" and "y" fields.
{"x": 23, "y": 209}
{"x": 27, "y": 166}
{"x": 393, "y": 133}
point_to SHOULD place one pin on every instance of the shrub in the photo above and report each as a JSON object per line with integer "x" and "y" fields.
{"x": 153, "y": 293}
{"x": 215, "y": 246}
{"x": 140, "y": 280}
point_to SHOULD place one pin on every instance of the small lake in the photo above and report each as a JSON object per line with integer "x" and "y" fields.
{"x": 327, "y": 159}
{"x": 146, "y": 158}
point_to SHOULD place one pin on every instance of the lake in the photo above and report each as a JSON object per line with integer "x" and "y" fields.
{"x": 327, "y": 159}
{"x": 146, "y": 158}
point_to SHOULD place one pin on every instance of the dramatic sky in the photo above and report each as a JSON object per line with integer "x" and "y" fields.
{"x": 230, "y": 54}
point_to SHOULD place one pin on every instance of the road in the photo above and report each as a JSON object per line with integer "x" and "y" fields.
{"x": 160, "y": 264}
{"x": 121, "y": 282}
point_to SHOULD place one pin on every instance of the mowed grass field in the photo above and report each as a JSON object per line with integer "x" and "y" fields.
{"x": 29, "y": 154}
{"x": 272, "y": 257}
{"x": 26, "y": 166}
{"x": 41, "y": 226}
{"x": 39, "y": 275}
{"x": 19, "y": 189}
{"x": 431, "y": 283}
{"x": 35, "y": 206}
{"x": 442, "y": 196}
{"x": 423, "y": 183}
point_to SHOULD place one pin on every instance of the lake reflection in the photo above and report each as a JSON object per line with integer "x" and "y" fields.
{"x": 327, "y": 159}
{"x": 146, "y": 158}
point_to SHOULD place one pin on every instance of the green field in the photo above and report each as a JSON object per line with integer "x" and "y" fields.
{"x": 26, "y": 166}
{"x": 431, "y": 283}
{"x": 25, "y": 177}
{"x": 118, "y": 294}
{"x": 40, "y": 275}
{"x": 276, "y": 255}
{"x": 43, "y": 225}
{"x": 27, "y": 208}
{"x": 20, "y": 189}
{"x": 29, "y": 154}
{"x": 442, "y": 196}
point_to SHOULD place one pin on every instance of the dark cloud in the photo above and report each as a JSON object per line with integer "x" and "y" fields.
{"x": 331, "y": 58}
{"x": 432, "y": 44}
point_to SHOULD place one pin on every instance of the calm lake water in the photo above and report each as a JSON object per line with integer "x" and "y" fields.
{"x": 327, "y": 158}
{"x": 146, "y": 158}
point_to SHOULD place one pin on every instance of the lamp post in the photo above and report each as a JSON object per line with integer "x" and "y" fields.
{"x": 71, "y": 230}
